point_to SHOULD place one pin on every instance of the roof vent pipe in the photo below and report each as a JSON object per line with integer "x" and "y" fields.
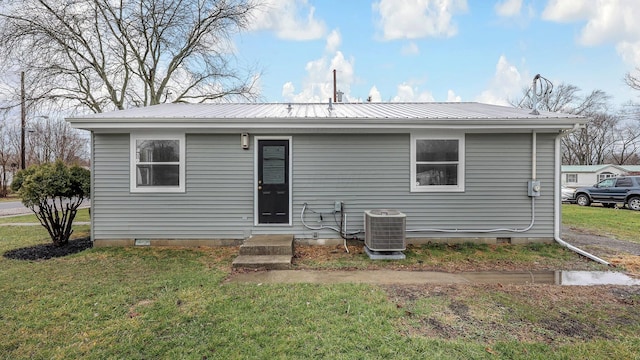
{"x": 330, "y": 105}
{"x": 534, "y": 96}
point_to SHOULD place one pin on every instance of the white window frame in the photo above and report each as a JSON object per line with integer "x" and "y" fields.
{"x": 606, "y": 175}
{"x": 461, "y": 161}
{"x": 133, "y": 161}
{"x": 571, "y": 178}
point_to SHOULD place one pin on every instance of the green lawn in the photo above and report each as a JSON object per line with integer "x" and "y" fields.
{"x": 81, "y": 216}
{"x": 10, "y": 197}
{"x": 621, "y": 224}
{"x": 146, "y": 303}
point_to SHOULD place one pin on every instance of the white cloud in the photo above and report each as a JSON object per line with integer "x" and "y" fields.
{"x": 318, "y": 84}
{"x": 412, "y": 19}
{"x": 630, "y": 52}
{"x": 607, "y": 21}
{"x": 410, "y": 49}
{"x": 505, "y": 84}
{"x": 408, "y": 93}
{"x": 509, "y": 8}
{"x": 568, "y": 11}
{"x": 334, "y": 40}
{"x": 288, "y": 90}
{"x": 374, "y": 94}
{"x": 452, "y": 97}
{"x": 290, "y": 19}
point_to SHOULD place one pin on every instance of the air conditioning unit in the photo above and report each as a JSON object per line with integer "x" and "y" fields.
{"x": 384, "y": 230}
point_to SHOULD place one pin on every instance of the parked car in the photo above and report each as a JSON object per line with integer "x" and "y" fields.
{"x": 611, "y": 191}
{"x": 568, "y": 194}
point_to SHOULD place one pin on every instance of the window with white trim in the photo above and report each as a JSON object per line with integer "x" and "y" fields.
{"x": 437, "y": 162}
{"x": 571, "y": 178}
{"x": 606, "y": 175}
{"x": 157, "y": 163}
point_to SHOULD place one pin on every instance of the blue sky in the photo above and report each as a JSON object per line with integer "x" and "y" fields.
{"x": 441, "y": 50}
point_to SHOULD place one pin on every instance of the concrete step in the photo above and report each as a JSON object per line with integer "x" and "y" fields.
{"x": 268, "y": 245}
{"x": 268, "y": 262}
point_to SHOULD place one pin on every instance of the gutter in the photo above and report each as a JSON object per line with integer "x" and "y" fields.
{"x": 557, "y": 203}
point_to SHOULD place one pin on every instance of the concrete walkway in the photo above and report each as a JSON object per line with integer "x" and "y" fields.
{"x": 391, "y": 277}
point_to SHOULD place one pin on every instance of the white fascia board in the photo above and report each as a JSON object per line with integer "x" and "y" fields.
{"x": 324, "y": 124}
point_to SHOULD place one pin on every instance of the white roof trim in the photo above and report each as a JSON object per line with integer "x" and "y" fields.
{"x": 359, "y": 117}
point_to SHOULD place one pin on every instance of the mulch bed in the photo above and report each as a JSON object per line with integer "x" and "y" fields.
{"x": 49, "y": 251}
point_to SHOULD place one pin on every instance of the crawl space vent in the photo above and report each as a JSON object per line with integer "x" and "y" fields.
{"x": 384, "y": 230}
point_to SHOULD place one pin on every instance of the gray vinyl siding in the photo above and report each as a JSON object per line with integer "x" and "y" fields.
{"x": 217, "y": 203}
{"x": 372, "y": 172}
{"x": 368, "y": 171}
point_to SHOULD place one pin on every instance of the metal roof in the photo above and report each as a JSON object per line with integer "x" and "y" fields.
{"x": 584, "y": 168}
{"x": 596, "y": 168}
{"x": 631, "y": 168}
{"x": 318, "y": 116}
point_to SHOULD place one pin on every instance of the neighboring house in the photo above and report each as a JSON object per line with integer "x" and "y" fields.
{"x": 631, "y": 169}
{"x": 206, "y": 174}
{"x": 587, "y": 175}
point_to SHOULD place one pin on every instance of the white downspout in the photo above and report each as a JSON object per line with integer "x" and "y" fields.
{"x": 534, "y": 156}
{"x": 557, "y": 205}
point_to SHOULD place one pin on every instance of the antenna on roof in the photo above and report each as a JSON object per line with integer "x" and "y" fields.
{"x": 539, "y": 90}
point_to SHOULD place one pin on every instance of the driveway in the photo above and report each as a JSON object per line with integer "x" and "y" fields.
{"x": 12, "y": 208}
{"x": 600, "y": 246}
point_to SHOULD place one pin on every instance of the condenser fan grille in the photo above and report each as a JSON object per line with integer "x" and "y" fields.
{"x": 385, "y": 230}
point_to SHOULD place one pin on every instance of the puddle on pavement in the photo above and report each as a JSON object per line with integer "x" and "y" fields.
{"x": 560, "y": 277}
{"x": 586, "y": 278}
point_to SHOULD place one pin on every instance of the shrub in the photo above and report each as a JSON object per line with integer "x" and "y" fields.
{"x": 53, "y": 192}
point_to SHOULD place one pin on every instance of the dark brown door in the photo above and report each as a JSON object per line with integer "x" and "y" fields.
{"x": 273, "y": 181}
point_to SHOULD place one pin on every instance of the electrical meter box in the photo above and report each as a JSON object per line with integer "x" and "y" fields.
{"x": 533, "y": 188}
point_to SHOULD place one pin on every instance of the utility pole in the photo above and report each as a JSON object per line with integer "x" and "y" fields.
{"x": 23, "y": 119}
{"x": 335, "y": 97}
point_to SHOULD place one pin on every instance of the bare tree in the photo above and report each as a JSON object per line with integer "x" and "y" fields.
{"x": 8, "y": 159}
{"x": 633, "y": 80}
{"x": 627, "y": 137}
{"x": 105, "y": 54}
{"x": 566, "y": 98}
{"x": 50, "y": 140}
{"x": 590, "y": 145}
{"x": 627, "y": 144}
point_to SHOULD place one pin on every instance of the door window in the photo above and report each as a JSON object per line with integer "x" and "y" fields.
{"x": 273, "y": 165}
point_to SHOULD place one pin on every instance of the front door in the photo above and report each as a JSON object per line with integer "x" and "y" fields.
{"x": 273, "y": 181}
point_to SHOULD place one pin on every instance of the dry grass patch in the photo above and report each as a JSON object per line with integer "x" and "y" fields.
{"x": 493, "y": 314}
{"x": 448, "y": 258}
{"x": 631, "y": 263}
